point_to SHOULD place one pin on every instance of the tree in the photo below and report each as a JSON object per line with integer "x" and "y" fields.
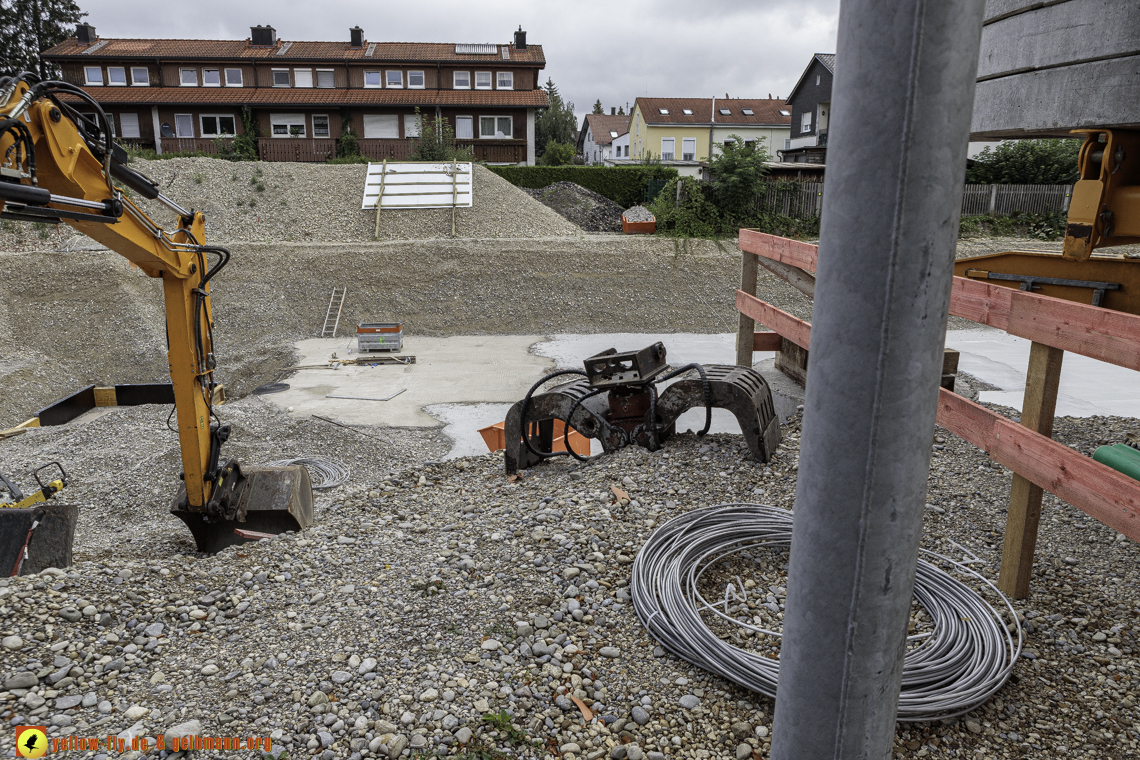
{"x": 736, "y": 172}
{"x": 29, "y": 27}
{"x": 621, "y": 111}
{"x": 1026, "y": 162}
{"x": 556, "y": 123}
{"x": 598, "y": 106}
{"x": 437, "y": 141}
{"x": 558, "y": 154}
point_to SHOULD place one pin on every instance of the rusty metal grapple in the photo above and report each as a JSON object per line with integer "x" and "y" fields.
{"x": 615, "y": 400}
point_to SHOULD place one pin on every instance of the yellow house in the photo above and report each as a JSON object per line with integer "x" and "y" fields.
{"x": 682, "y": 132}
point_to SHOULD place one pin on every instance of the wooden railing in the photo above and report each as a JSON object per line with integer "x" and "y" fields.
{"x": 378, "y": 149}
{"x": 301, "y": 149}
{"x": 497, "y": 151}
{"x": 1039, "y": 463}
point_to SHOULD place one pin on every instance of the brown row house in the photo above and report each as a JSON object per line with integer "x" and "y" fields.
{"x": 189, "y": 95}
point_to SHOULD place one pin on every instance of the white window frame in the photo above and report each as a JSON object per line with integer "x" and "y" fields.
{"x": 787, "y": 143}
{"x": 240, "y": 78}
{"x": 207, "y": 84}
{"x": 328, "y": 126}
{"x": 217, "y": 123}
{"x": 273, "y": 74}
{"x": 379, "y": 78}
{"x": 490, "y": 80}
{"x": 471, "y": 122}
{"x": 288, "y": 120}
{"x": 455, "y": 81}
{"x": 299, "y": 77}
{"x": 686, "y": 154}
{"x": 510, "y": 85}
{"x": 120, "y": 69}
{"x": 805, "y": 122}
{"x": 137, "y": 133}
{"x": 136, "y": 81}
{"x": 497, "y": 117}
{"x": 671, "y": 154}
{"x": 182, "y": 78}
{"x": 87, "y": 76}
{"x": 189, "y": 116}
{"x": 423, "y": 80}
{"x": 317, "y": 78}
{"x": 388, "y": 79}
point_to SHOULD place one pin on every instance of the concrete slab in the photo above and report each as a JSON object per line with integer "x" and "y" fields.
{"x": 1088, "y": 387}
{"x": 461, "y": 369}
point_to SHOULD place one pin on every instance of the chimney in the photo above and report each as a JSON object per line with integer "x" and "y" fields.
{"x": 357, "y": 36}
{"x": 85, "y": 33}
{"x": 262, "y": 36}
{"x": 613, "y": 110}
{"x": 520, "y": 39}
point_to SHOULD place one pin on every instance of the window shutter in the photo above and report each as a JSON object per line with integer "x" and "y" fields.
{"x": 130, "y": 122}
{"x": 381, "y": 126}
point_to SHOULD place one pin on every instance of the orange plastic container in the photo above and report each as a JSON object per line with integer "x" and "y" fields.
{"x": 496, "y": 439}
{"x": 637, "y": 228}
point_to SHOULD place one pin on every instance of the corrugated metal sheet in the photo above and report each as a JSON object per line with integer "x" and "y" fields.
{"x": 418, "y": 184}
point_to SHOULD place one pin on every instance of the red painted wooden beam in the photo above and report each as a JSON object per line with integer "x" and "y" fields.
{"x": 791, "y": 252}
{"x": 795, "y": 330}
{"x": 767, "y": 341}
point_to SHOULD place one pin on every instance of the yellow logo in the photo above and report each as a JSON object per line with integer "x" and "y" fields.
{"x": 31, "y": 741}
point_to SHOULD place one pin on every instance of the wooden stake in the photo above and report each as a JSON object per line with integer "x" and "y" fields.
{"x": 380, "y": 198}
{"x": 455, "y": 193}
{"x": 747, "y": 324}
{"x": 1037, "y": 413}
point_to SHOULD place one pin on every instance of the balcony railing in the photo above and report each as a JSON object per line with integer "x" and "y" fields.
{"x": 497, "y": 151}
{"x": 318, "y": 150}
{"x": 191, "y": 145}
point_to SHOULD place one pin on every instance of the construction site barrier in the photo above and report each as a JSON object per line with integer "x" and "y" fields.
{"x": 1038, "y": 462}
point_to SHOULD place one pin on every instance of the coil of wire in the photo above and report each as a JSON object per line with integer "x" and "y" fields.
{"x": 324, "y": 473}
{"x": 967, "y": 656}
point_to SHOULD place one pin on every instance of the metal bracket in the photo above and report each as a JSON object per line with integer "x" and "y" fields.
{"x": 1030, "y": 282}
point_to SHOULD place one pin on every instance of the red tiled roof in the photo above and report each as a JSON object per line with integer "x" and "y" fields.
{"x": 290, "y": 51}
{"x": 268, "y": 96}
{"x": 602, "y": 124}
{"x": 764, "y": 111}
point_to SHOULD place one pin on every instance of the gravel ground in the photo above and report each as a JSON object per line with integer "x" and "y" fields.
{"x": 425, "y": 600}
{"x": 585, "y": 208}
{"x": 103, "y": 322}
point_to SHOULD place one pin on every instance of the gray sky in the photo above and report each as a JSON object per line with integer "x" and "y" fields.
{"x": 616, "y": 51}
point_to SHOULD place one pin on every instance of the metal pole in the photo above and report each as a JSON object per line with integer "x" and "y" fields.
{"x": 903, "y": 95}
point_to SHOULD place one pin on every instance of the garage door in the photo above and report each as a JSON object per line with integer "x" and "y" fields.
{"x": 381, "y": 125}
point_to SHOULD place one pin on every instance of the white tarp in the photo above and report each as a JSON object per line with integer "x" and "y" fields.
{"x": 412, "y": 184}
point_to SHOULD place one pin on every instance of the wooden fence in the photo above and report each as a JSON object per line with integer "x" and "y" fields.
{"x": 1039, "y": 463}
{"x": 804, "y": 200}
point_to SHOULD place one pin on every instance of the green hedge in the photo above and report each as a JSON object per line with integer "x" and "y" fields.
{"x": 625, "y": 185}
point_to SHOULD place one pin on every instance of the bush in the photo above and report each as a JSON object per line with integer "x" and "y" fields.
{"x": 437, "y": 141}
{"x": 1041, "y": 226}
{"x": 689, "y": 214}
{"x": 558, "y": 154}
{"x": 737, "y": 175}
{"x": 625, "y": 185}
{"x": 1026, "y": 162}
{"x": 347, "y": 146}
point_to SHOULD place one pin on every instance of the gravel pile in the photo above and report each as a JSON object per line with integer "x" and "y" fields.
{"x": 442, "y": 607}
{"x": 639, "y": 214}
{"x": 585, "y": 208}
{"x": 291, "y": 202}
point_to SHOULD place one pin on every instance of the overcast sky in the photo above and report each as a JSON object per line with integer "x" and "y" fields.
{"x": 616, "y": 51}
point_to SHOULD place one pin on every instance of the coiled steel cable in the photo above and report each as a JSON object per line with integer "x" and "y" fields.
{"x": 324, "y": 473}
{"x": 947, "y": 672}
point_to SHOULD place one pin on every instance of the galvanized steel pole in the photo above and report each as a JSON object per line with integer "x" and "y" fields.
{"x": 902, "y": 98}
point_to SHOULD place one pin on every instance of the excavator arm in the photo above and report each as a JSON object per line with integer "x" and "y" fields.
{"x": 58, "y": 165}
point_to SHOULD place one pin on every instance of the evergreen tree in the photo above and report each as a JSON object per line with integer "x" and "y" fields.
{"x": 29, "y": 27}
{"x": 598, "y": 106}
{"x": 556, "y": 123}
{"x": 621, "y": 111}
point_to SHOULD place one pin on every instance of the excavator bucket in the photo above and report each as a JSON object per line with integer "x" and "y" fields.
{"x": 251, "y": 499}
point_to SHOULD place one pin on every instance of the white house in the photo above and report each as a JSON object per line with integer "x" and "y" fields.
{"x": 598, "y": 132}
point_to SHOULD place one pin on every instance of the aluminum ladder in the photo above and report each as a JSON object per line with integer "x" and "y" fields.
{"x": 332, "y": 321}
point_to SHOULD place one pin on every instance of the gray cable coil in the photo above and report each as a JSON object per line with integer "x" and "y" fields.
{"x": 324, "y": 473}
{"x": 967, "y": 657}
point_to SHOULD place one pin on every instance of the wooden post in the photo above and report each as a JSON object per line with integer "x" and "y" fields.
{"x": 1037, "y": 413}
{"x": 380, "y": 198}
{"x": 747, "y": 324}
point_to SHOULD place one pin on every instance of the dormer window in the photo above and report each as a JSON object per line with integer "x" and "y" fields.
{"x": 613, "y": 134}
{"x": 663, "y": 111}
{"x": 687, "y": 111}
{"x": 785, "y": 113}
{"x": 725, "y": 112}
{"x": 746, "y": 111}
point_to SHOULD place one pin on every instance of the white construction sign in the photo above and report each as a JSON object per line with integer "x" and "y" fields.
{"x": 413, "y": 184}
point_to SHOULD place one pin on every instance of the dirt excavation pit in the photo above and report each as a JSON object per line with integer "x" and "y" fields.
{"x": 437, "y": 607}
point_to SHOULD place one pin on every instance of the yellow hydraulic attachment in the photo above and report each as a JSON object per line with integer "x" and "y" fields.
{"x": 58, "y": 165}
{"x": 44, "y": 493}
{"x": 1103, "y": 212}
